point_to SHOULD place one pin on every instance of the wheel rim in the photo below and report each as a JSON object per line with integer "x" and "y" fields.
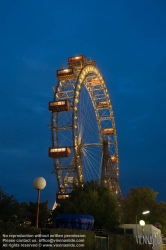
{"x": 83, "y": 130}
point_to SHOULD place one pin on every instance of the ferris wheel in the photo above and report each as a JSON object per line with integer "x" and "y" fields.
{"x": 84, "y": 142}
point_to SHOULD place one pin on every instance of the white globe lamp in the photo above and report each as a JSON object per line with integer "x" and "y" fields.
{"x": 39, "y": 183}
{"x": 142, "y": 224}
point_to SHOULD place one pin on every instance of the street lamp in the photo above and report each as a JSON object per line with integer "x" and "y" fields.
{"x": 142, "y": 224}
{"x": 145, "y": 212}
{"x": 39, "y": 183}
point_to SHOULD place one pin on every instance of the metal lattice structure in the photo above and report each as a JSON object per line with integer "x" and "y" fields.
{"x": 84, "y": 141}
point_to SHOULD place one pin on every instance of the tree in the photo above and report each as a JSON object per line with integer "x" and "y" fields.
{"x": 142, "y": 199}
{"x": 24, "y": 211}
{"x": 9, "y": 206}
{"x": 159, "y": 215}
{"x": 138, "y": 200}
{"x": 94, "y": 200}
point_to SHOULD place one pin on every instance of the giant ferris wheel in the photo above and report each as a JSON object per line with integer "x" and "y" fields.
{"x": 84, "y": 142}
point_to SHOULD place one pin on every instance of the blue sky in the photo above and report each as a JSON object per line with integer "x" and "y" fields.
{"x": 127, "y": 40}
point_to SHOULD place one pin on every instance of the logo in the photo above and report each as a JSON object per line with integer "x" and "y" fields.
{"x": 151, "y": 239}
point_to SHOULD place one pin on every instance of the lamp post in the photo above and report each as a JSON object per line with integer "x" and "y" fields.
{"x": 145, "y": 212}
{"x": 39, "y": 183}
{"x": 142, "y": 224}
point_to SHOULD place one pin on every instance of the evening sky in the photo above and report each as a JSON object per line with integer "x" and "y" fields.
{"x": 127, "y": 39}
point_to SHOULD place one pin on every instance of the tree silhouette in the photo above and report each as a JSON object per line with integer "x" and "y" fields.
{"x": 90, "y": 198}
{"x": 9, "y": 206}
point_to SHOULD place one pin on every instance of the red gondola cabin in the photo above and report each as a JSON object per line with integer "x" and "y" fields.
{"x": 114, "y": 158}
{"x": 61, "y": 197}
{"x": 59, "y": 106}
{"x": 77, "y": 61}
{"x": 59, "y": 152}
{"x": 108, "y": 131}
{"x": 65, "y": 74}
{"x": 102, "y": 104}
